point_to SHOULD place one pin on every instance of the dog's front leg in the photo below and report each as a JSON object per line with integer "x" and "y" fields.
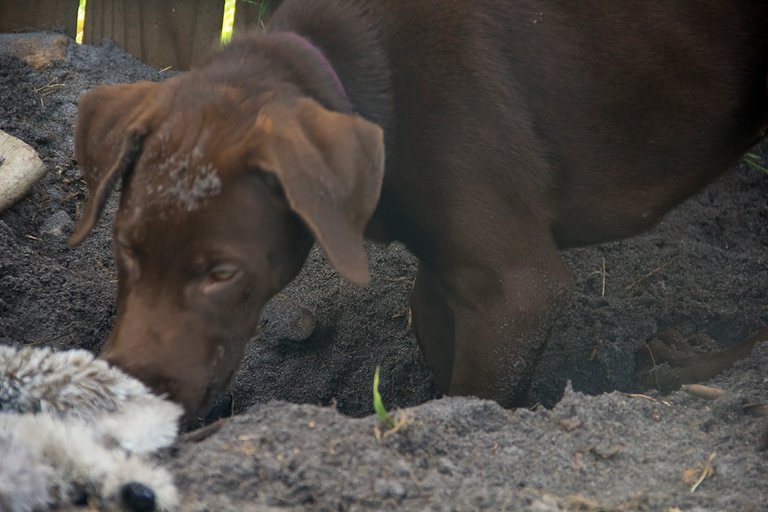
{"x": 433, "y": 324}
{"x": 500, "y": 310}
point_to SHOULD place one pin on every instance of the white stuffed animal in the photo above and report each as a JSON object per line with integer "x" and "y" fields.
{"x": 75, "y": 431}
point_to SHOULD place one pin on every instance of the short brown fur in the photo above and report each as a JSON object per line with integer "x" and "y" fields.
{"x": 486, "y": 136}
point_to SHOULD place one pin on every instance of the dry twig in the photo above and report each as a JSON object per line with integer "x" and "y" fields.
{"x": 602, "y": 273}
{"x": 649, "y": 274}
{"x": 402, "y": 419}
{"x": 708, "y": 471}
{"x": 646, "y": 397}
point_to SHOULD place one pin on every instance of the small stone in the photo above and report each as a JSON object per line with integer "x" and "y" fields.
{"x": 446, "y": 467}
{"x": 729, "y": 408}
{"x": 389, "y": 489}
{"x": 401, "y": 468}
{"x": 569, "y": 424}
{"x": 57, "y": 224}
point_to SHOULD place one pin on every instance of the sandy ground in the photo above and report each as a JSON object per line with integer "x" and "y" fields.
{"x": 703, "y": 272}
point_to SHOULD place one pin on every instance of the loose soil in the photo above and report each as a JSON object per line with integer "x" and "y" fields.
{"x": 303, "y": 437}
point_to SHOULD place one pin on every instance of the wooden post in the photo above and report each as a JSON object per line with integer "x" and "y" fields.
{"x": 37, "y": 15}
{"x": 161, "y": 33}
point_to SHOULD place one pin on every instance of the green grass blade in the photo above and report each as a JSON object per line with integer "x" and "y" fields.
{"x": 752, "y": 160}
{"x": 378, "y": 403}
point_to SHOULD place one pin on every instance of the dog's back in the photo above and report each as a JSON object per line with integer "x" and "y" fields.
{"x": 610, "y": 112}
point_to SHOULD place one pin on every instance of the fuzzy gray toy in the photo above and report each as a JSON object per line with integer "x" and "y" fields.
{"x": 72, "y": 429}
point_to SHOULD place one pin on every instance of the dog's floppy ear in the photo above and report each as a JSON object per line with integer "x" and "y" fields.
{"x": 330, "y": 166}
{"x": 112, "y": 122}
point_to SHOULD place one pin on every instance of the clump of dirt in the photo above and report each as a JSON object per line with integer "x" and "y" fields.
{"x": 701, "y": 272}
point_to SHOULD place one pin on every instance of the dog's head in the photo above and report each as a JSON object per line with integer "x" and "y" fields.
{"x": 223, "y": 193}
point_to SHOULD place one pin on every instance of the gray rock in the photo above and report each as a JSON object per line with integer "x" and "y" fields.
{"x": 58, "y": 224}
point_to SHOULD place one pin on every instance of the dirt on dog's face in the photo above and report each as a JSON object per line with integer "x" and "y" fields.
{"x": 222, "y": 196}
{"x": 198, "y": 255}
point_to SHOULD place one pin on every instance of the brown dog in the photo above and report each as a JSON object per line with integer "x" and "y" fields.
{"x": 510, "y": 129}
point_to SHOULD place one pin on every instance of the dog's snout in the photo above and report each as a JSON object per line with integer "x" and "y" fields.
{"x": 164, "y": 378}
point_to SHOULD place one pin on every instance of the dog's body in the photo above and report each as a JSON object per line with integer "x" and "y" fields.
{"x": 512, "y": 130}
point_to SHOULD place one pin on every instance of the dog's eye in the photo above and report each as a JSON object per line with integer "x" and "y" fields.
{"x": 220, "y": 278}
{"x": 221, "y": 273}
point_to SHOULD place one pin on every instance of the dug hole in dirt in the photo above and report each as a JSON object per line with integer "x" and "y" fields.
{"x": 303, "y": 437}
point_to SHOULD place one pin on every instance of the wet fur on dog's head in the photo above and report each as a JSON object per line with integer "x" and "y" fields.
{"x": 225, "y": 187}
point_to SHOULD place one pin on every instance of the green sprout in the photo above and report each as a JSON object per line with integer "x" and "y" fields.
{"x": 378, "y": 404}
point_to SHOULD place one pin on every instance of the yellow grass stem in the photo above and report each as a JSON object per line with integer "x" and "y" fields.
{"x": 229, "y": 21}
{"x": 80, "y": 22}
